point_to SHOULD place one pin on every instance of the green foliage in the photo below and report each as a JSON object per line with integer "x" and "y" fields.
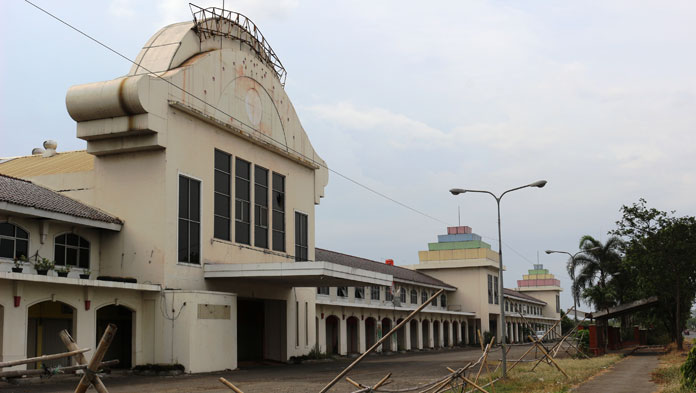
{"x": 487, "y": 337}
{"x": 583, "y": 337}
{"x": 316, "y": 353}
{"x": 598, "y": 263}
{"x": 688, "y": 370}
{"x": 566, "y": 323}
{"x": 44, "y": 264}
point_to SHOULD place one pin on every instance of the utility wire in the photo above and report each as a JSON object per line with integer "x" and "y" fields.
{"x": 230, "y": 116}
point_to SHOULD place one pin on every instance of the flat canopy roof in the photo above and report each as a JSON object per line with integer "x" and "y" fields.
{"x": 624, "y": 308}
{"x": 297, "y": 274}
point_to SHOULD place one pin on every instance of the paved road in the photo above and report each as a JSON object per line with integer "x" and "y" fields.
{"x": 630, "y": 375}
{"x": 408, "y": 369}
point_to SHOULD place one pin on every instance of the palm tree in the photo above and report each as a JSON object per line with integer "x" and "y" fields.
{"x": 598, "y": 263}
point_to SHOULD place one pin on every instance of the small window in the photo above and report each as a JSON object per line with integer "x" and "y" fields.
{"x": 278, "y": 204}
{"x": 189, "y": 220}
{"x": 322, "y": 290}
{"x": 402, "y": 295}
{"x": 414, "y": 296}
{"x": 388, "y": 295}
{"x": 374, "y": 292}
{"x": 14, "y": 241}
{"x": 443, "y": 300}
{"x": 71, "y": 250}
{"x": 490, "y": 289}
{"x": 342, "y": 292}
{"x": 242, "y": 186}
{"x": 301, "y": 237}
{"x": 360, "y": 292}
{"x": 424, "y": 297}
{"x": 260, "y": 207}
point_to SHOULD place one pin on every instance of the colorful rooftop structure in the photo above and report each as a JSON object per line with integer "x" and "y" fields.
{"x": 538, "y": 277}
{"x": 459, "y": 243}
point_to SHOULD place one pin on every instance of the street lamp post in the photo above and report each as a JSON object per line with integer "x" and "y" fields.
{"x": 571, "y": 271}
{"x": 503, "y": 328}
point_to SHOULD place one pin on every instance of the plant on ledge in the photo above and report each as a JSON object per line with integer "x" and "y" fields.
{"x": 43, "y": 265}
{"x": 18, "y": 264}
{"x": 63, "y": 271}
{"x": 85, "y": 274}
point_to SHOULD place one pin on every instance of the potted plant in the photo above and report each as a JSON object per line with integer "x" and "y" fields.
{"x": 43, "y": 266}
{"x": 85, "y": 274}
{"x": 63, "y": 271}
{"x": 18, "y": 264}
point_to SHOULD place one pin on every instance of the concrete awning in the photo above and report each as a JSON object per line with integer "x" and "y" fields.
{"x": 297, "y": 274}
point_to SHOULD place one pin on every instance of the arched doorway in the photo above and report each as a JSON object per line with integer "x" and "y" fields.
{"x": 332, "y": 335}
{"x": 436, "y": 334}
{"x": 446, "y": 333}
{"x": 44, "y": 323}
{"x": 386, "y": 327}
{"x": 401, "y": 336}
{"x": 370, "y": 332}
{"x": 352, "y": 331}
{"x": 426, "y": 333}
{"x": 122, "y": 347}
{"x": 414, "y": 333}
{"x": 456, "y": 340}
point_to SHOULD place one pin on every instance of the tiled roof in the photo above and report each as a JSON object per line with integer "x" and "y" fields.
{"x": 37, "y": 165}
{"x": 512, "y": 292}
{"x": 397, "y": 272}
{"x": 25, "y": 193}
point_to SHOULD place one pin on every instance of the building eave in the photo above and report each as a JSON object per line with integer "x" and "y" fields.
{"x": 62, "y": 217}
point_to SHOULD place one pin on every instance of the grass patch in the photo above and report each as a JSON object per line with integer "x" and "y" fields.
{"x": 547, "y": 379}
{"x": 668, "y": 375}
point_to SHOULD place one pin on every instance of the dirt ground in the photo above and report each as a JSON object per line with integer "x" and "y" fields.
{"x": 408, "y": 369}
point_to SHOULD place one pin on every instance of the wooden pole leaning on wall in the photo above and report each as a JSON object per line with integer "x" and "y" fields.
{"x": 93, "y": 365}
{"x": 43, "y": 358}
{"x": 81, "y": 359}
{"x": 379, "y": 342}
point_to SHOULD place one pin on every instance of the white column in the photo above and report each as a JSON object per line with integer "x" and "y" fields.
{"x": 394, "y": 338}
{"x": 466, "y": 331}
{"x": 517, "y": 332}
{"x": 342, "y": 337}
{"x": 407, "y": 333}
{"x": 321, "y": 335}
{"x": 361, "y": 336}
{"x": 459, "y": 332}
{"x": 419, "y": 336}
{"x": 441, "y": 337}
{"x": 449, "y": 333}
{"x": 431, "y": 334}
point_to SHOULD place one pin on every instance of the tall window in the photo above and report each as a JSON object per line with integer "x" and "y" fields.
{"x": 490, "y": 289}
{"x": 402, "y": 295}
{"x": 558, "y": 303}
{"x": 443, "y": 300}
{"x": 242, "y": 186}
{"x": 374, "y": 292}
{"x": 434, "y": 301}
{"x": 72, "y": 250}
{"x": 301, "y": 235}
{"x": 14, "y": 241}
{"x": 360, "y": 292}
{"x": 495, "y": 290}
{"x": 260, "y": 207}
{"x": 278, "y": 212}
{"x": 189, "y": 220}
{"x": 388, "y": 295}
{"x": 414, "y": 296}
{"x": 424, "y": 296}
{"x": 223, "y": 196}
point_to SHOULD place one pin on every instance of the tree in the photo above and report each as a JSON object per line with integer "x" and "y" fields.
{"x": 598, "y": 264}
{"x": 660, "y": 257}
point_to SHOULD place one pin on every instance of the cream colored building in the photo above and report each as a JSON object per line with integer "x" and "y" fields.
{"x": 190, "y": 218}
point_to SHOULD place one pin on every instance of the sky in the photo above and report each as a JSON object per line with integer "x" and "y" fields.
{"x": 412, "y": 99}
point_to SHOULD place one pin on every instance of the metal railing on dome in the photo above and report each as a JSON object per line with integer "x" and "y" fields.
{"x": 213, "y": 21}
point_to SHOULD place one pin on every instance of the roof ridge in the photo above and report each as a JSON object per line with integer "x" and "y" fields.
{"x": 15, "y": 178}
{"x": 33, "y": 155}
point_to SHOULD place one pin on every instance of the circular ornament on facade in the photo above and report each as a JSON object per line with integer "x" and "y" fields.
{"x": 254, "y": 109}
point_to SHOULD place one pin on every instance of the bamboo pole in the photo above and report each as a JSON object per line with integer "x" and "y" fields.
{"x": 81, "y": 359}
{"x": 378, "y": 343}
{"x": 485, "y": 360}
{"x": 43, "y": 358}
{"x": 60, "y": 370}
{"x": 229, "y": 385}
{"x": 92, "y": 368}
{"x": 546, "y": 354}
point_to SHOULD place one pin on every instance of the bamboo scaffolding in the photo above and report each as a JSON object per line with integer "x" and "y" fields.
{"x": 93, "y": 366}
{"x": 43, "y": 358}
{"x": 230, "y": 385}
{"x": 53, "y": 371}
{"x": 69, "y": 343}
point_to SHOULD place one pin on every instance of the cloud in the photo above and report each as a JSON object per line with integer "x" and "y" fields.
{"x": 122, "y": 8}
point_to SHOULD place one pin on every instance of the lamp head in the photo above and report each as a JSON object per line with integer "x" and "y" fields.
{"x": 539, "y": 184}
{"x": 549, "y": 251}
{"x": 457, "y": 191}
